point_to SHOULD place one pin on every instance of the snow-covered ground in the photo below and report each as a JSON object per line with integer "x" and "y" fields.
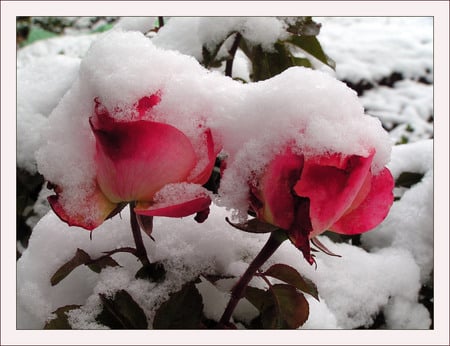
{"x": 384, "y": 276}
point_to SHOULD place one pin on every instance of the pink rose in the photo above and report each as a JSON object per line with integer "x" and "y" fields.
{"x": 309, "y": 195}
{"x": 150, "y": 163}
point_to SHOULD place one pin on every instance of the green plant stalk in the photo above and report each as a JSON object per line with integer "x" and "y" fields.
{"x": 140, "y": 253}
{"x": 273, "y": 243}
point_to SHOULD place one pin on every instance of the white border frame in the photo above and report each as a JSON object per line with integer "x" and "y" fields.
{"x": 438, "y": 9}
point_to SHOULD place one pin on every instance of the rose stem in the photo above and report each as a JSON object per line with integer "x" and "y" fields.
{"x": 141, "y": 253}
{"x": 275, "y": 240}
{"x": 160, "y": 22}
{"x": 233, "y": 49}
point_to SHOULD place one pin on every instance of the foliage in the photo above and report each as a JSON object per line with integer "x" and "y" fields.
{"x": 281, "y": 305}
{"x": 32, "y": 29}
{"x": 301, "y": 48}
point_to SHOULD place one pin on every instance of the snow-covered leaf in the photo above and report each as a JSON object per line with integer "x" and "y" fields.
{"x": 61, "y": 319}
{"x": 122, "y": 312}
{"x": 312, "y": 46}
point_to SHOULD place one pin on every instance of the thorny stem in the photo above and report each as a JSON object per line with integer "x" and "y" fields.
{"x": 233, "y": 49}
{"x": 141, "y": 253}
{"x": 275, "y": 240}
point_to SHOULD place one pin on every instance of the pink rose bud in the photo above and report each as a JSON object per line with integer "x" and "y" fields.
{"x": 135, "y": 159}
{"x": 309, "y": 195}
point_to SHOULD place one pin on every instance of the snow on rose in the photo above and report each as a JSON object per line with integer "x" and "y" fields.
{"x": 134, "y": 160}
{"x": 309, "y": 195}
{"x": 148, "y": 133}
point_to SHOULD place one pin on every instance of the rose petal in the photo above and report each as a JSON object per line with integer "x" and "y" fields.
{"x": 331, "y": 183}
{"x": 177, "y": 200}
{"x": 276, "y": 189}
{"x": 135, "y": 159}
{"x": 199, "y": 204}
{"x": 98, "y": 206}
{"x": 203, "y": 176}
{"x": 372, "y": 210}
{"x": 146, "y": 103}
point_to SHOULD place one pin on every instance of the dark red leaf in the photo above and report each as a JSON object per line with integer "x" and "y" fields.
{"x": 253, "y": 226}
{"x": 291, "y": 276}
{"x": 81, "y": 257}
{"x": 291, "y": 308}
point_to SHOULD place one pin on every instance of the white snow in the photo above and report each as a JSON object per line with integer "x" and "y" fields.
{"x": 66, "y": 158}
{"x": 188, "y": 35}
{"x": 142, "y": 24}
{"x": 405, "y": 109}
{"x": 409, "y": 224}
{"x": 370, "y": 48}
{"x": 72, "y": 46}
{"x": 353, "y": 289}
{"x": 172, "y": 194}
{"x": 248, "y": 120}
{"x": 272, "y": 118}
{"x": 40, "y": 86}
{"x": 241, "y": 114}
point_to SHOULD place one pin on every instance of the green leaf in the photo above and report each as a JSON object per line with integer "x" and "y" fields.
{"x": 311, "y": 45}
{"x": 61, "y": 319}
{"x": 265, "y": 65}
{"x": 291, "y": 276}
{"x": 304, "y": 26}
{"x": 103, "y": 28}
{"x": 408, "y": 179}
{"x": 253, "y": 226}
{"x": 302, "y": 62}
{"x": 37, "y": 34}
{"x": 183, "y": 310}
{"x": 81, "y": 257}
{"x": 122, "y": 312}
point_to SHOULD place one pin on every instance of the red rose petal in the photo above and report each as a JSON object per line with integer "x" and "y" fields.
{"x": 331, "y": 183}
{"x": 98, "y": 205}
{"x": 276, "y": 189}
{"x": 146, "y": 103}
{"x": 199, "y": 204}
{"x": 202, "y": 177}
{"x": 135, "y": 159}
{"x": 372, "y": 210}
